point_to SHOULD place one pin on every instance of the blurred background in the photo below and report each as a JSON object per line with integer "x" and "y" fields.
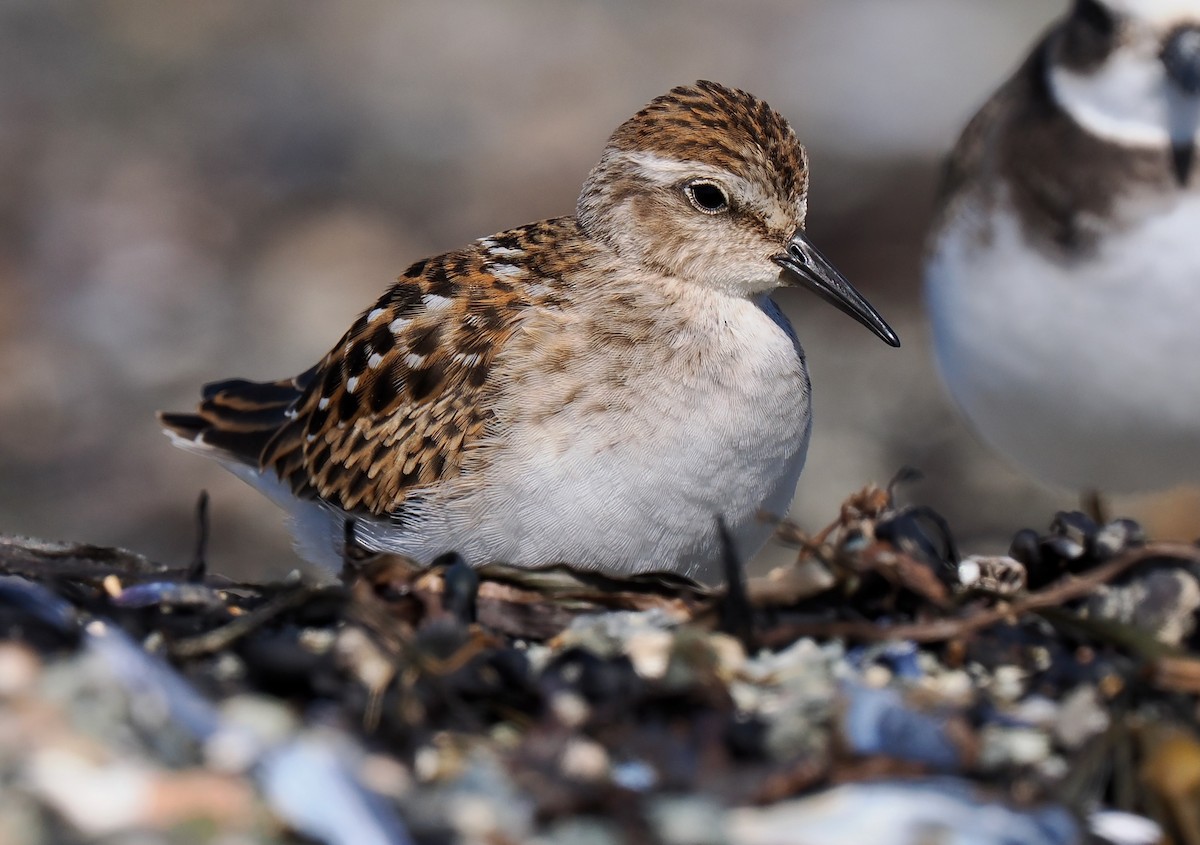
{"x": 201, "y": 190}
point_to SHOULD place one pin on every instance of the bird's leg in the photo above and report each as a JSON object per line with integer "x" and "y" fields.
{"x": 351, "y": 554}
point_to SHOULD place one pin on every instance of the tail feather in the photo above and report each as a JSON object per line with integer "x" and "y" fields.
{"x": 263, "y": 392}
{"x": 237, "y": 417}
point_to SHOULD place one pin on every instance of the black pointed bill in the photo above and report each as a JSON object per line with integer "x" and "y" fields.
{"x": 1181, "y": 58}
{"x": 1183, "y": 159}
{"x": 813, "y": 270}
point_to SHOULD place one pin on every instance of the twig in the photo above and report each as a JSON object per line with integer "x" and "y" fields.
{"x": 219, "y": 638}
{"x": 198, "y": 568}
{"x": 734, "y": 610}
{"x": 1063, "y": 590}
{"x": 1176, "y": 673}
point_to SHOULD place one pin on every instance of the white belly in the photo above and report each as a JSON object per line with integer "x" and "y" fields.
{"x": 1086, "y": 374}
{"x": 633, "y": 478}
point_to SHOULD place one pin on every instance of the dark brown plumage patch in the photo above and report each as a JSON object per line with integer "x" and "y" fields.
{"x": 384, "y": 391}
{"x": 382, "y": 340}
{"x": 721, "y": 126}
{"x": 1088, "y": 36}
{"x": 477, "y": 375}
{"x": 355, "y": 361}
{"x": 424, "y": 340}
{"x": 440, "y": 282}
{"x": 424, "y": 381}
{"x": 419, "y": 369}
{"x": 1022, "y": 140}
{"x": 404, "y": 298}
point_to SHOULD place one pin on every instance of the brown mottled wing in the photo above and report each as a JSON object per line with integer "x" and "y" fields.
{"x": 404, "y": 393}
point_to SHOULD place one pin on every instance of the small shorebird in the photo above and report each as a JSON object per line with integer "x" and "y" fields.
{"x": 594, "y": 390}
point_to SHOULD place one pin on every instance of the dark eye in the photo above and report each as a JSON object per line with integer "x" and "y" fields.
{"x": 1089, "y": 36}
{"x": 706, "y": 197}
{"x": 1093, "y": 14}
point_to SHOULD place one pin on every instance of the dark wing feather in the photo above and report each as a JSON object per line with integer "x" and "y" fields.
{"x": 397, "y": 402}
{"x": 237, "y": 416}
{"x": 403, "y": 395}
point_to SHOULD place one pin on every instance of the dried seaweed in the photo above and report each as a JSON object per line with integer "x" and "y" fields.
{"x": 879, "y": 653}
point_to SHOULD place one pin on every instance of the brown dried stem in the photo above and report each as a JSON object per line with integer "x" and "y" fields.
{"x": 1064, "y": 590}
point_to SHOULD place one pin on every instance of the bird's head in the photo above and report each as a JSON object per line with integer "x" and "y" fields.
{"x": 1129, "y": 71}
{"x": 710, "y": 185}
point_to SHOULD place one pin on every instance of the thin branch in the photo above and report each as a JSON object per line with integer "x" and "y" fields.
{"x": 1062, "y": 591}
{"x": 198, "y": 568}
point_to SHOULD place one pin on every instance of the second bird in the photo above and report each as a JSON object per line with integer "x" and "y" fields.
{"x": 1063, "y": 275}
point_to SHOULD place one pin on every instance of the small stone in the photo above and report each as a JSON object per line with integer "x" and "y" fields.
{"x": 1125, "y": 828}
{"x": 877, "y": 676}
{"x": 688, "y": 820}
{"x": 385, "y": 775}
{"x": 427, "y": 763}
{"x": 607, "y": 634}
{"x": 1162, "y": 601}
{"x": 1008, "y": 683}
{"x": 1006, "y": 746}
{"x": 358, "y": 653}
{"x": 249, "y": 724}
{"x": 570, "y": 708}
{"x": 1080, "y": 717}
{"x": 635, "y": 775}
{"x": 1036, "y": 710}
{"x": 951, "y": 687}
{"x": 20, "y": 668}
{"x": 650, "y": 653}
{"x": 730, "y": 654}
{"x": 318, "y": 640}
{"x": 584, "y": 830}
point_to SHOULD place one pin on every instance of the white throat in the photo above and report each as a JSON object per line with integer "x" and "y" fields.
{"x": 1128, "y": 101}
{"x": 1156, "y": 12}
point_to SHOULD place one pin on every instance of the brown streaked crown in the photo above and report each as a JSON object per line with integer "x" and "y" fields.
{"x": 725, "y": 127}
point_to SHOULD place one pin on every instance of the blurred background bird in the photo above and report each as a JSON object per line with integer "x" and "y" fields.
{"x": 1063, "y": 279}
{"x": 194, "y": 190}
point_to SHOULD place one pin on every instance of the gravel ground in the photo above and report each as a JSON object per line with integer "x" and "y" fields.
{"x": 880, "y": 686}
